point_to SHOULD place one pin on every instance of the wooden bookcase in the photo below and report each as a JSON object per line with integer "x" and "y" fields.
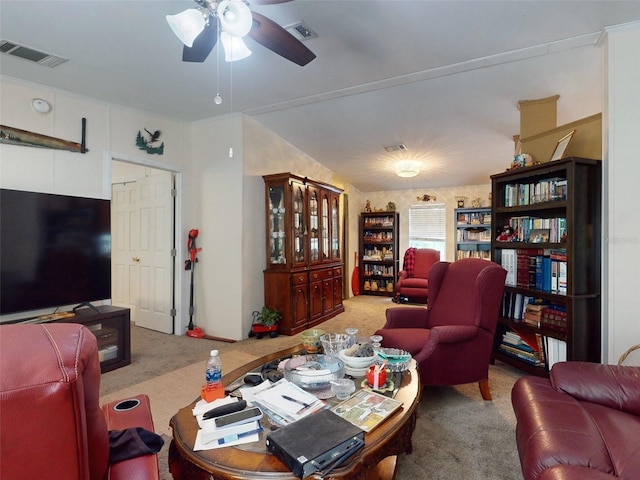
{"x": 473, "y": 233}
{"x": 379, "y": 261}
{"x": 304, "y": 275}
{"x": 562, "y": 199}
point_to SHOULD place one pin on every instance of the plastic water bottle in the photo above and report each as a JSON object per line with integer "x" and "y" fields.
{"x": 214, "y": 370}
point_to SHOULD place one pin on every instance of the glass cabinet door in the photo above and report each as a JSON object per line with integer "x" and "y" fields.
{"x": 314, "y": 224}
{"x": 335, "y": 230}
{"x": 299, "y": 227}
{"x": 277, "y": 230}
{"x": 324, "y": 235}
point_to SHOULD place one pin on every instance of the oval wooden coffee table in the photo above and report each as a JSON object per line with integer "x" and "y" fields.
{"x": 376, "y": 460}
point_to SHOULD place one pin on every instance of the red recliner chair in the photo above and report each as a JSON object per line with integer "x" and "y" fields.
{"x": 413, "y": 279}
{"x": 51, "y": 424}
{"x": 451, "y": 339}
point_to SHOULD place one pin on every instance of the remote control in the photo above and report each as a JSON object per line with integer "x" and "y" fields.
{"x": 225, "y": 409}
{"x": 237, "y": 418}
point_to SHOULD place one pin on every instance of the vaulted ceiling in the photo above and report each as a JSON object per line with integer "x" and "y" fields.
{"x": 441, "y": 77}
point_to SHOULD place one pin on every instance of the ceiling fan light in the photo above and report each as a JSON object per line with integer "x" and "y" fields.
{"x": 407, "y": 168}
{"x": 187, "y": 25}
{"x": 235, "y": 17}
{"x": 234, "y": 47}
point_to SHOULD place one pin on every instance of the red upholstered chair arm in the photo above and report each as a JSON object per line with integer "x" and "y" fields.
{"x": 613, "y": 386}
{"x": 445, "y": 334}
{"x": 144, "y": 467}
{"x": 454, "y": 333}
{"x": 402, "y": 274}
{"x": 406, "y": 317}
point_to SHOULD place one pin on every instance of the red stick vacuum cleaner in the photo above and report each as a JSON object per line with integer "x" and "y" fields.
{"x": 190, "y": 264}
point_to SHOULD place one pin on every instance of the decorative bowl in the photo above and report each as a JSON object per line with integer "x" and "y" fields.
{"x": 313, "y": 372}
{"x": 332, "y": 343}
{"x": 397, "y": 359}
{"x": 356, "y": 362}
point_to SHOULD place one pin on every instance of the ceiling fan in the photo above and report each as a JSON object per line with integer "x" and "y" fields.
{"x": 199, "y": 29}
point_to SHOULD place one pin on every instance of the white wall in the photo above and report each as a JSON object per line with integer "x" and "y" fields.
{"x": 264, "y": 153}
{"x": 111, "y": 132}
{"x": 621, "y": 272}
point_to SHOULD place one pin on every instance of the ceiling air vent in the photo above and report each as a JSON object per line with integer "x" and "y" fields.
{"x": 301, "y": 31}
{"x": 30, "y": 54}
{"x": 396, "y": 148}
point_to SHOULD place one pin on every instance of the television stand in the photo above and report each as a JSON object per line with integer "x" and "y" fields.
{"x": 112, "y": 327}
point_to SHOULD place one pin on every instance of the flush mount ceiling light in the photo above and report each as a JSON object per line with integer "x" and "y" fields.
{"x": 407, "y": 168}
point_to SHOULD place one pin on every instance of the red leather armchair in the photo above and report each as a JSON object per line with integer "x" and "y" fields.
{"x": 452, "y": 338}
{"x": 582, "y": 423}
{"x": 51, "y": 424}
{"x": 413, "y": 279}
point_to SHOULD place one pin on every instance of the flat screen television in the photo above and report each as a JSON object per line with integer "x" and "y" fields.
{"x": 55, "y": 251}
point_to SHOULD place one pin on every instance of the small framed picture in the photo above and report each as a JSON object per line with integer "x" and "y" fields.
{"x": 539, "y": 235}
{"x": 561, "y": 147}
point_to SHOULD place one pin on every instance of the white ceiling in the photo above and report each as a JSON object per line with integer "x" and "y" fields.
{"x": 441, "y": 77}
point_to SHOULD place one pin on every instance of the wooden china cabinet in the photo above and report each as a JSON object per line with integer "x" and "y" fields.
{"x": 303, "y": 278}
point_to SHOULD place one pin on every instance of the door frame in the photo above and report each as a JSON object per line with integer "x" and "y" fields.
{"x": 179, "y": 275}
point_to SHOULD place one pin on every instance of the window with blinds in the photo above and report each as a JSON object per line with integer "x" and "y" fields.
{"x": 427, "y": 227}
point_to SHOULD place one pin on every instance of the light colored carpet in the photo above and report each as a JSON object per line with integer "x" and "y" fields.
{"x": 458, "y": 435}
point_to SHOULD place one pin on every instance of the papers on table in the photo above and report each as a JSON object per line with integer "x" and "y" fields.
{"x": 284, "y": 402}
{"x": 210, "y": 437}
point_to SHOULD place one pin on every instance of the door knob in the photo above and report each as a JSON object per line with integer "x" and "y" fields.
{"x": 135, "y": 259}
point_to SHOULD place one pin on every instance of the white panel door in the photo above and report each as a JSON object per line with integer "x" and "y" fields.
{"x": 124, "y": 246}
{"x": 155, "y": 242}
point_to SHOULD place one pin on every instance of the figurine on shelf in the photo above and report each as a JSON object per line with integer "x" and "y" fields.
{"x": 367, "y": 207}
{"x": 506, "y": 235}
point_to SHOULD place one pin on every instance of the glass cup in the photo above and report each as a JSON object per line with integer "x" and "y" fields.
{"x": 343, "y": 388}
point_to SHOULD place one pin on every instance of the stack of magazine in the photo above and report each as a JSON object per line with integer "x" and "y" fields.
{"x": 284, "y": 402}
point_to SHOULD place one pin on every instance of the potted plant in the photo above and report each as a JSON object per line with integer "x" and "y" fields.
{"x": 265, "y": 320}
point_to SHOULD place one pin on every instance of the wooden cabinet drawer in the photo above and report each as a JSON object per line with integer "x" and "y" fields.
{"x": 299, "y": 278}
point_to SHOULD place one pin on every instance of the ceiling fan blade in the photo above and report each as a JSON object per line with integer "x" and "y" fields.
{"x": 278, "y": 40}
{"x": 202, "y": 45}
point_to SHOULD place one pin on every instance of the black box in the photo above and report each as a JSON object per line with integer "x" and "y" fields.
{"x": 315, "y": 442}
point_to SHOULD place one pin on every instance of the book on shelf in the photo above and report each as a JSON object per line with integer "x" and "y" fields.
{"x": 366, "y": 409}
{"x": 554, "y": 317}
{"x": 545, "y": 190}
{"x": 508, "y": 260}
{"x": 523, "y": 346}
{"x": 556, "y": 351}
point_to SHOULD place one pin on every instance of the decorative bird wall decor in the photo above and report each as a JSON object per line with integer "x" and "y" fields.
{"x": 147, "y": 144}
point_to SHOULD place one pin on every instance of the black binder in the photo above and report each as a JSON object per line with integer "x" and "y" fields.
{"x": 321, "y": 440}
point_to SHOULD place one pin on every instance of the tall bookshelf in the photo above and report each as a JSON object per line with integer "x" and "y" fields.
{"x": 473, "y": 233}
{"x": 379, "y": 261}
{"x": 553, "y": 259}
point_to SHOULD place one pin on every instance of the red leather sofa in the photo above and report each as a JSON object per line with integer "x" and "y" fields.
{"x": 51, "y": 424}
{"x": 582, "y": 423}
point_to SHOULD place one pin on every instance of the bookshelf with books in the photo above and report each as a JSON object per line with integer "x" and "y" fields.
{"x": 379, "y": 261}
{"x": 473, "y": 233}
{"x": 547, "y": 235}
